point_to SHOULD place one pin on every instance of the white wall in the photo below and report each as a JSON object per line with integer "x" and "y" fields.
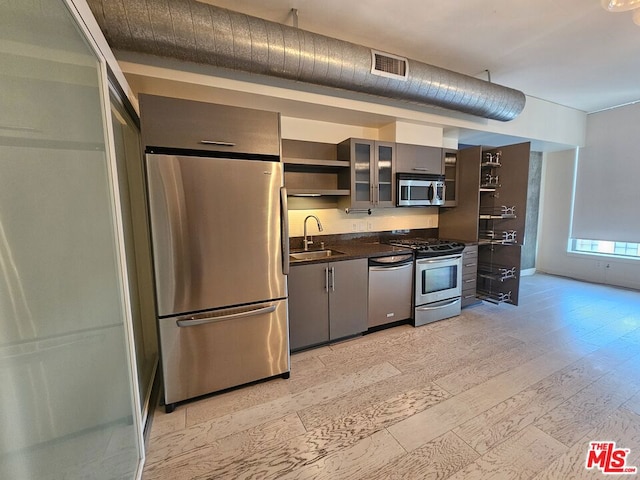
{"x": 555, "y": 221}
{"x": 540, "y": 120}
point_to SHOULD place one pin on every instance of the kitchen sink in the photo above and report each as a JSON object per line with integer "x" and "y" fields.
{"x": 313, "y": 255}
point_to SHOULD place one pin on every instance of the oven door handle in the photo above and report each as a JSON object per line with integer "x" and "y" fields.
{"x": 438, "y": 259}
{"x": 452, "y": 302}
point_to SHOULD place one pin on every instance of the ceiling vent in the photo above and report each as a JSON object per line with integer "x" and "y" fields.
{"x": 387, "y": 65}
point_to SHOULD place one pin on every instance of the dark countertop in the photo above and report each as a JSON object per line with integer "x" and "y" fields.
{"x": 351, "y": 251}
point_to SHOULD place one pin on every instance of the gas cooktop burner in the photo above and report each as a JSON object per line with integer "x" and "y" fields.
{"x": 429, "y": 247}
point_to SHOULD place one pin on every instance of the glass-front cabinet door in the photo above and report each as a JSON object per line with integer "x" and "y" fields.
{"x": 385, "y": 169}
{"x": 362, "y": 174}
{"x": 70, "y": 408}
{"x": 450, "y": 178}
{"x": 372, "y": 172}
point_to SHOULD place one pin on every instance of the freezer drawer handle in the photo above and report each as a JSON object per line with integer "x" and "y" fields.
{"x": 220, "y": 144}
{"x": 422, "y": 309}
{"x": 193, "y": 321}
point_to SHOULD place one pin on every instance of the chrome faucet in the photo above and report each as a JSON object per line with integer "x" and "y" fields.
{"x": 306, "y": 242}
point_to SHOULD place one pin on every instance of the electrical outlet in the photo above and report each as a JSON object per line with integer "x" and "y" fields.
{"x": 361, "y": 226}
{"x": 369, "y": 226}
{"x": 354, "y": 227}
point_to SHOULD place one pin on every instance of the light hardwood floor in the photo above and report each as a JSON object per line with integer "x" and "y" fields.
{"x": 498, "y": 392}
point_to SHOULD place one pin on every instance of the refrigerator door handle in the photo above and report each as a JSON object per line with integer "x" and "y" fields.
{"x": 284, "y": 214}
{"x": 194, "y": 320}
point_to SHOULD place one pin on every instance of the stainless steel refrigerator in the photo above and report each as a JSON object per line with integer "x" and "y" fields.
{"x": 220, "y": 251}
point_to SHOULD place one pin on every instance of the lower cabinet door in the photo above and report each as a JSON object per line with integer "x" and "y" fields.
{"x": 308, "y": 305}
{"x": 348, "y": 295}
{"x": 327, "y": 301}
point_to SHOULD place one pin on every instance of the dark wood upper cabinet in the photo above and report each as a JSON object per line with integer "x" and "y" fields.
{"x": 187, "y": 124}
{"x": 461, "y": 221}
{"x": 419, "y": 159}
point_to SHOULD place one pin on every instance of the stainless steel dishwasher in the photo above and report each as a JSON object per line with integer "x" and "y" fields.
{"x": 390, "y": 289}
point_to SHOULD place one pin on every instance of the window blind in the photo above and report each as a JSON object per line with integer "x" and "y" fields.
{"x": 607, "y": 190}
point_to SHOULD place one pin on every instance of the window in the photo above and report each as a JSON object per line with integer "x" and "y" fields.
{"x": 606, "y": 195}
{"x": 604, "y": 247}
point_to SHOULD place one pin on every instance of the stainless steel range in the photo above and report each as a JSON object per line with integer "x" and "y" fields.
{"x": 438, "y": 278}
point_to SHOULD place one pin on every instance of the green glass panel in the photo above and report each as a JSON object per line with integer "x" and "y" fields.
{"x": 66, "y": 381}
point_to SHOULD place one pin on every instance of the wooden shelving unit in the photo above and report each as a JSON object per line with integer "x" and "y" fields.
{"x": 311, "y": 169}
{"x": 491, "y": 210}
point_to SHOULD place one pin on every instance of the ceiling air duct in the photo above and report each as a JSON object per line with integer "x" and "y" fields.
{"x": 196, "y": 32}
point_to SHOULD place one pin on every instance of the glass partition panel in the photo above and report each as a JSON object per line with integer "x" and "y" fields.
{"x": 126, "y": 136}
{"x": 67, "y": 389}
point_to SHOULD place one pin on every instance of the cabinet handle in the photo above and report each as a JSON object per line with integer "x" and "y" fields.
{"x": 469, "y": 265}
{"x": 470, "y": 281}
{"x": 333, "y": 279}
{"x": 421, "y": 169}
{"x": 220, "y": 144}
{"x": 326, "y": 279}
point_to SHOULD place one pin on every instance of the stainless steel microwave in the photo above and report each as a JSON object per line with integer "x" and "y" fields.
{"x": 419, "y": 190}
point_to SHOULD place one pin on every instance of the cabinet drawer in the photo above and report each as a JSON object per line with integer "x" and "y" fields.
{"x": 469, "y": 280}
{"x": 468, "y": 288}
{"x": 470, "y": 252}
{"x": 468, "y": 298}
{"x": 469, "y": 266}
{"x": 177, "y": 123}
{"x": 470, "y": 260}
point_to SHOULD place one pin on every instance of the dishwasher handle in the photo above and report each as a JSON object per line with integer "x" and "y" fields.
{"x": 390, "y": 268}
